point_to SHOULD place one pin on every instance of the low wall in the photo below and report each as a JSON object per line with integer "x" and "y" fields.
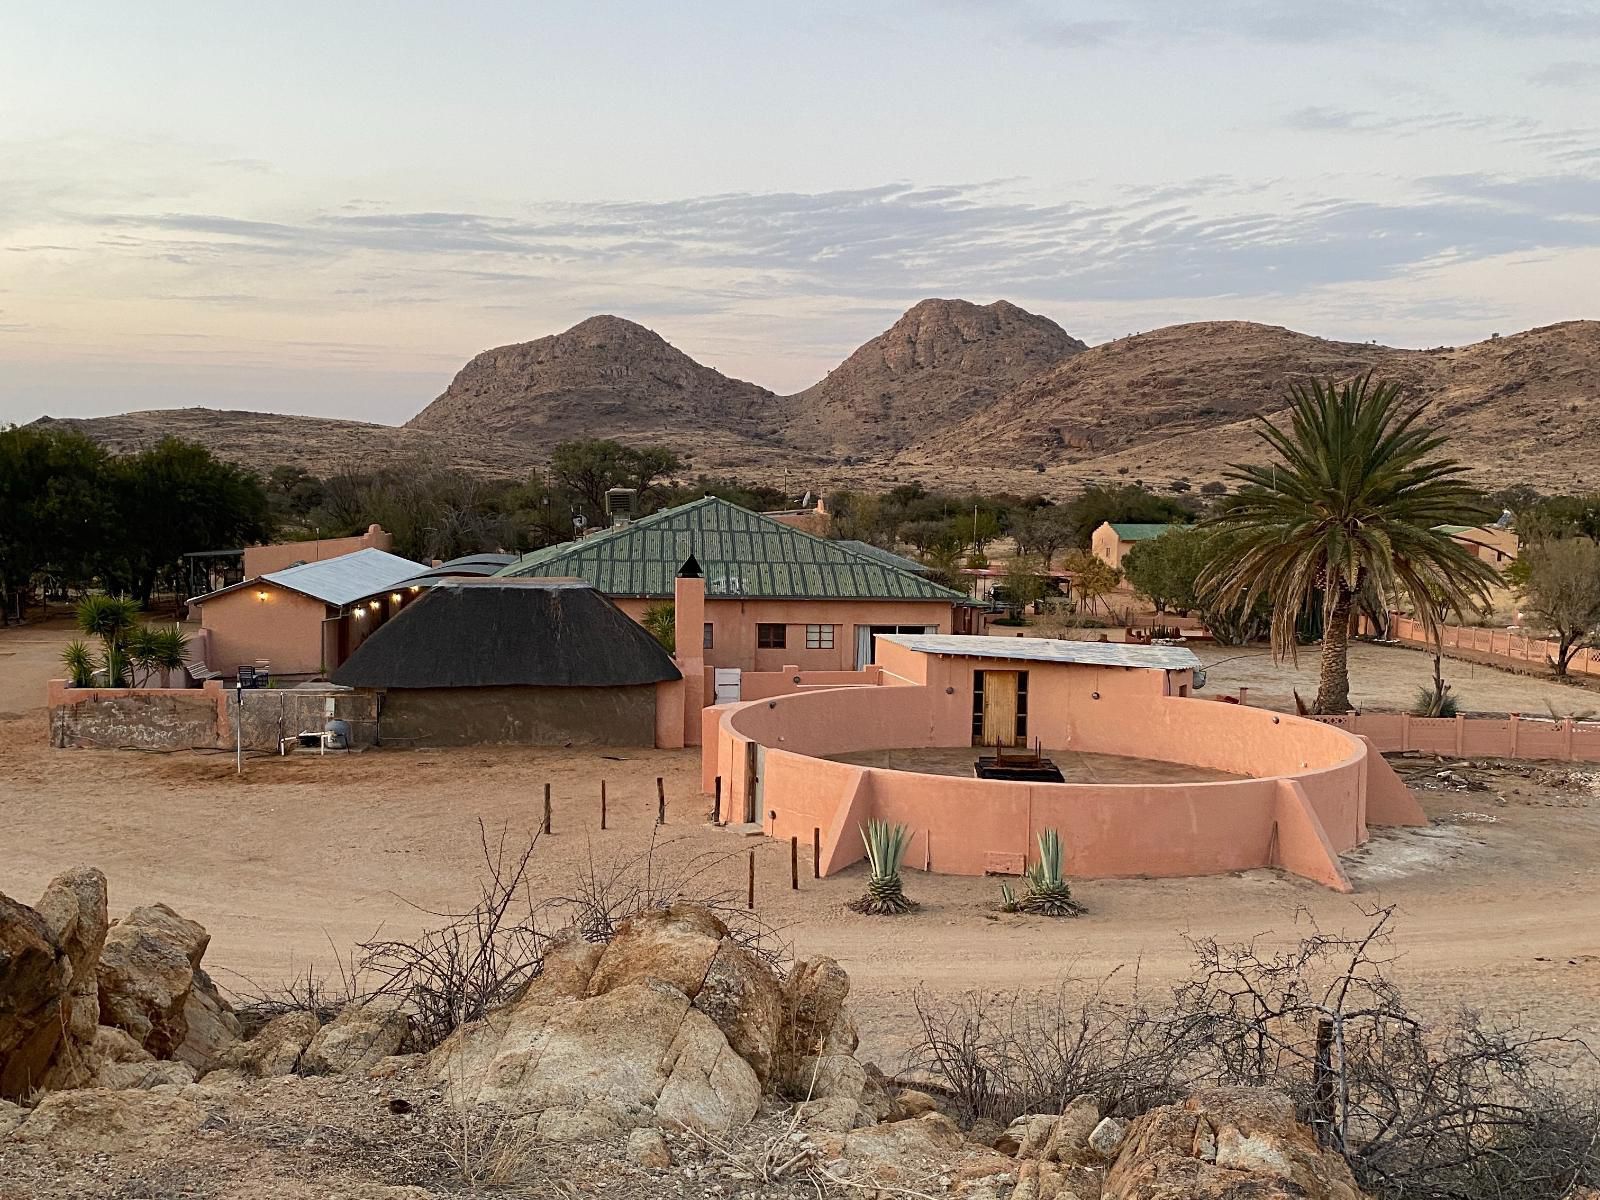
{"x": 1312, "y": 792}
{"x": 1510, "y": 647}
{"x": 205, "y": 718}
{"x": 1476, "y": 737}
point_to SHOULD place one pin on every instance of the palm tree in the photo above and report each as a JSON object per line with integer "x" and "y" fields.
{"x": 1355, "y": 502}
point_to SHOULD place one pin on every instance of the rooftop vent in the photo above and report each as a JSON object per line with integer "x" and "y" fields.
{"x": 622, "y": 505}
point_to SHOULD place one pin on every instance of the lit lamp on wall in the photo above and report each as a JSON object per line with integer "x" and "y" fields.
{"x": 394, "y": 597}
{"x": 262, "y": 595}
{"x": 373, "y": 606}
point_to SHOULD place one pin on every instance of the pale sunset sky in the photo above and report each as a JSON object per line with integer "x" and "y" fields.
{"x": 328, "y": 208}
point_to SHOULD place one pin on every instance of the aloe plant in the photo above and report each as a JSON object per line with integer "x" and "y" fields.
{"x": 886, "y": 846}
{"x": 1048, "y": 894}
{"x": 79, "y": 662}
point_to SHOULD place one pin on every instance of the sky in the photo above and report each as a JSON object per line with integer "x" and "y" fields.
{"x": 328, "y": 208}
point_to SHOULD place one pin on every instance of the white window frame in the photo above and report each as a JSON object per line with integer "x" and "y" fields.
{"x": 819, "y": 637}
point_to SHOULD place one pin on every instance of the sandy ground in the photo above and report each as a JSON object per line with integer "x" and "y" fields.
{"x": 301, "y": 857}
{"x": 1387, "y": 678}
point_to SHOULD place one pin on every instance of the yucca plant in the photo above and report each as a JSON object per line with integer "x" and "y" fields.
{"x": 109, "y": 618}
{"x": 114, "y": 661}
{"x": 1008, "y": 899}
{"x": 152, "y": 649}
{"x": 1048, "y": 893}
{"x": 79, "y": 662}
{"x": 886, "y": 846}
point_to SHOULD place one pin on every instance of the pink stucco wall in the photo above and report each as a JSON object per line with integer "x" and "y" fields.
{"x": 259, "y": 560}
{"x": 285, "y": 629}
{"x": 1474, "y": 737}
{"x": 1305, "y": 801}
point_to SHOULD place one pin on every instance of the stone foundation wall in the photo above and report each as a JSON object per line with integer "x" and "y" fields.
{"x": 200, "y": 718}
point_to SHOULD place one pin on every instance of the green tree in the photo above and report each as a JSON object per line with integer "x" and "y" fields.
{"x": 591, "y": 468}
{"x": 1355, "y": 497}
{"x": 1097, "y": 504}
{"x": 57, "y": 515}
{"x": 1024, "y": 583}
{"x": 1093, "y": 579}
{"x": 662, "y": 622}
{"x": 173, "y": 498}
{"x": 1563, "y": 594}
{"x": 1043, "y": 531}
{"x": 1168, "y": 570}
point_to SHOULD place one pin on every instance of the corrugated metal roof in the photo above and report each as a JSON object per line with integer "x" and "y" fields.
{"x": 741, "y": 554}
{"x": 347, "y": 578}
{"x": 889, "y": 557}
{"x": 1029, "y": 649}
{"x": 1134, "y": 531}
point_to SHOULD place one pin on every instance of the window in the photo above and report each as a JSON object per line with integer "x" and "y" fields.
{"x": 705, "y": 641}
{"x": 819, "y": 637}
{"x": 771, "y": 637}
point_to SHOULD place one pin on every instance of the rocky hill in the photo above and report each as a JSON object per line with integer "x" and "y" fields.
{"x": 954, "y": 393}
{"x": 941, "y": 363}
{"x": 604, "y": 376}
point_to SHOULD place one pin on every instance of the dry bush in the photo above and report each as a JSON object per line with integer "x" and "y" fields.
{"x": 1453, "y": 1110}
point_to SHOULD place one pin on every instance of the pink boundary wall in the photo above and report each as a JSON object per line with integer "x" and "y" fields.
{"x": 1496, "y": 643}
{"x": 1312, "y": 791}
{"x": 1476, "y": 737}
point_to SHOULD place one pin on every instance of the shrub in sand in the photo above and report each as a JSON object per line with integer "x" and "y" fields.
{"x": 1047, "y": 893}
{"x": 886, "y": 846}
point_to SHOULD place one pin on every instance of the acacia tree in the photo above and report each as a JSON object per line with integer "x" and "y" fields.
{"x": 1355, "y": 498}
{"x": 1563, "y": 592}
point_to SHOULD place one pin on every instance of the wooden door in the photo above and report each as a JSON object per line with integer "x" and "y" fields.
{"x": 1000, "y": 708}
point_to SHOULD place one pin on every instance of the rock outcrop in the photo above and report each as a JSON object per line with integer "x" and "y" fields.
{"x": 1226, "y": 1143}
{"x": 35, "y": 978}
{"x": 673, "y": 1022}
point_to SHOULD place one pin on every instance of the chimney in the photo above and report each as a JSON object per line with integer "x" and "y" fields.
{"x": 688, "y": 631}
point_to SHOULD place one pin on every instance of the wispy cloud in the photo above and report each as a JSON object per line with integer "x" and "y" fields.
{"x": 1568, "y": 74}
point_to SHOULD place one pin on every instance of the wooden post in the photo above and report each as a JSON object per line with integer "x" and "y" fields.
{"x": 716, "y": 803}
{"x": 750, "y": 898}
{"x": 794, "y": 864}
{"x": 661, "y": 801}
{"x": 816, "y": 853}
{"x": 602, "y": 804}
{"x": 547, "y": 808}
{"x": 1323, "y": 1112}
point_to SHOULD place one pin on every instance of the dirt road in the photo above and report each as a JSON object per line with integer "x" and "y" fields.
{"x": 304, "y": 855}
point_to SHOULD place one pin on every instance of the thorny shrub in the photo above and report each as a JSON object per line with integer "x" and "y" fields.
{"x": 1450, "y": 1110}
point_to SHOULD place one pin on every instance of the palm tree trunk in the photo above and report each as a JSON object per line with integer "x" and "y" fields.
{"x": 1333, "y": 685}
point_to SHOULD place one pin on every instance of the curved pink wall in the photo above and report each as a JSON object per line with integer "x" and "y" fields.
{"x": 1305, "y": 800}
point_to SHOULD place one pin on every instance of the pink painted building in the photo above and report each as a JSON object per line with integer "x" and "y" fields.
{"x": 1299, "y": 792}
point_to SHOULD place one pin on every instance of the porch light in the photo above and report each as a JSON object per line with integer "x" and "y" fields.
{"x": 358, "y": 611}
{"x": 416, "y": 587}
{"x": 262, "y": 595}
{"x": 373, "y": 606}
{"x": 394, "y": 597}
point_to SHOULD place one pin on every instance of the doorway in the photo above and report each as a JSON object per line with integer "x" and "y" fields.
{"x": 999, "y": 708}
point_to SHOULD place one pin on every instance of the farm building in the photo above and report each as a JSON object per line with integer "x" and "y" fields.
{"x": 775, "y": 596}
{"x": 303, "y": 620}
{"x": 1112, "y": 540}
{"x": 530, "y": 662}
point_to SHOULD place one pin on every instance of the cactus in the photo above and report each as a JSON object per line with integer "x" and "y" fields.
{"x": 886, "y": 846}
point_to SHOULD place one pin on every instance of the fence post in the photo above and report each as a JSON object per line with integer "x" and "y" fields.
{"x": 816, "y": 853}
{"x": 1516, "y": 724}
{"x": 716, "y": 803}
{"x": 602, "y": 804}
{"x": 661, "y": 801}
{"x": 750, "y": 892}
{"x": 1322, "y": 1089}
{"x": 547, "y": 808}
{"x": 794, "y": 863}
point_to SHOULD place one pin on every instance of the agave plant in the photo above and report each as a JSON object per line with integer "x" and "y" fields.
{"x": 109, "y": 618}
{"x": 1048, "y": 893}
{"x": 79, "y": 661}
{"x": 886, "y": 846}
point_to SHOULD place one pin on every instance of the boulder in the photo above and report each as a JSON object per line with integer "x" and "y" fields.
{"x": 146, "y": 972}
{"x": 94, "y": 1121}
{"x": 815, "y": 1018}
{"x": 741, "y": 995}
{"x": 646, "y": 1148}
{"x": 914, "y": 1103}
{"x": 154, "y": 1073}
{"x": 11, "y": 1116}
{"x": 211, "y": 1029}
{"x": 1107, "y": 1138}
{"x": 911, "y": 1153}
{"x": 674, "y": 945}
{"x": 275, "y": 1050}
{"x": 74, "y": 906}
{"x": 356, "y": 1040}
{"x": 113, "y": 1045}
{"x": 1069, "y": 1139}
{"x": 1226, "y": 1142}
{"x": 637, "y": 1053}
{"x": 568, "y": 966}
{"x": 35, "y": 1003}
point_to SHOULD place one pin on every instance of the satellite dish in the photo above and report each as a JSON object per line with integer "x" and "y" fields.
{"x": 1199, "y": 678}
{"x": 1505, "y": 519}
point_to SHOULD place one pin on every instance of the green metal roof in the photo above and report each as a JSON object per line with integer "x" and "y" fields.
{"x": 741, "y": 554}
{"x": 887, "y": 557}
{"x": 1139, "y": 532}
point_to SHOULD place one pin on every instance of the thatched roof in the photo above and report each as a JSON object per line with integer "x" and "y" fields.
{"x": 508, "y": 633}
